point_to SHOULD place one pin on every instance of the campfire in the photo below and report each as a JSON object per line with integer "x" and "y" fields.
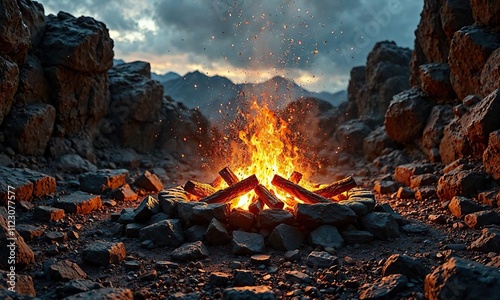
{"x": 265, "y": 172}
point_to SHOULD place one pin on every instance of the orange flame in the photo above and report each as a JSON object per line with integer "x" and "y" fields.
{"x": 269, "y": 145}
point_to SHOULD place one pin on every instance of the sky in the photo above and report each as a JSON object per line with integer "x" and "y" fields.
{"x": 315, "y": 43}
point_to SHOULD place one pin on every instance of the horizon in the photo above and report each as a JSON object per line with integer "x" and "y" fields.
{"x": 314, "y": 44}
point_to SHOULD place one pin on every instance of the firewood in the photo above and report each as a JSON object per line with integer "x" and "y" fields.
{"x": 297, "y": 191}
{"x": 199, "y": 189}
{"x": 337, "y": 187}
{"x": 268, "y": 198}
{"x": 256, "y": 206}
{"x": 228, "y": 175}
{"x": 217, "y": 182}
{"x": 295, "y": 177}
{"x": 236, "y": 190}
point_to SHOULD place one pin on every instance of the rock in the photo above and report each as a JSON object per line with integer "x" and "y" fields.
{"x": 185, "y": 296}
{"x": 243, "y": 278}
{"x": 126, "y": 216}
{"x": 270, "y": 218}
{"x": 15, "y": 38}
{"x": 385, "y": 187}
{"x": 489, "y": 241}
{"x": 358, "y": 207}
{"x": 164, "y": 233}
{"x": 351, "y": 135}
{"x": 53, "y": 237}
{"x": 455, "y": 15}
{"x": 195, "y": 233}
{"x": 34, "y": 18}
{"x": 47, "y": 213}
{"x": 216, "y": 233}
{"x": 169, "y": 199}
{"x": 79, "y": 286}
{"x": 185, "y": 211}
{"x": 9, "y": 73}
{"x": 386, "y": 287}
{"x": 246, "y": 243}
{"x": 376, "y": 142}
{"x": 249, "y": 292}
{"x": 405, "y": 193}
{"x": 219, "y": 279}
{"x": 404, "y": 173}
{"x": 103, "y": 253}
{"x": 33, "y": 86}
{"x": 203, "y": 214}
{"x": 406, "y": 116}
{"x": 357, "y": 81}
{"x": 27, "y": 184}
{"x": 65, "y": 270}
{"x": 29, "y": 232}
{"x": 327, "y": 236}
{"x": 81, "y": 44}
{"x": 423, "y": 180}
{"x": 103, "y": 180}
{"x": 190, "y": 251}
{"x": 415, "y": 228}
{"x": 149, "y": 182}
{"x": 260, "y": 259}
{"x": 132, "y": 230}
{"x": 435, "y": 81}
{"x": 482, "y": 218}
{"x": 320, "y": 214}
{"x": 285, "y": 237}
{"x": 79, "y": 203}
{"x": 23, "y": 285}
{"x": 386, "y": 208}
{"x": 353, "y": 236}
{"x": 297, "y": 277}
{"x": 460, "y": 183}
{"x": 124, "y": 193}
{"x": 462, "y": 279}
{"x": 28, "y": 128}
{"x": 104, "y": 294}
{"x": 24, "y": 256}
{"x": 243, "y": 219}
{"x": 425, "y": 192}
{"x": 74, "y": 164}
{"x": 382, "y": 225}
{"x": 134, "y": 116}
{"x": 433, "y": 132}
{"x": 321, "y": 259}
{"x": 148, "y": 207}
{"x": 491, "y": 157}
{"x": 486, "y": 12}
{"x": 405, "y": 265}
{"x": 460, "y": 206}
{"x": 293, "y": 255}
{"x": 474, "y": 42}
{"x": 491, "y": 70}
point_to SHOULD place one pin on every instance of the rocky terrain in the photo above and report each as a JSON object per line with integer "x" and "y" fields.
{"x": 93, "y": 158}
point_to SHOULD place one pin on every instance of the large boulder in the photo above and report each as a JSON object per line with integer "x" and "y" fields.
{"x": 433, "y": 132}
{"x": 14, "y": 36}
{"x": 486, "y": 12}
{"x": 470, "y": 49}
{"x": 386, "y": 75}
{"x": 80, "y": 44}
{"x": 461, "y": 183}
{"x": 9, "y": 77}
{"x": 469, "y": 134}
{"x": 350, "y": 135}
{"x": 455, "y": 14}
{"x": 431, "y": 43}
{"x": 28, "y": 128}
{"x": 406, "y": 116}
{"x": 491, "y": 157}
{"x": 34, "y": 18}
{"x": 357, "y": 82}
{"x": 435, "y": 81}
{"x": 490, "y": 74}
{"x": 134, "y": 113}
{"x": 33, "y": 86}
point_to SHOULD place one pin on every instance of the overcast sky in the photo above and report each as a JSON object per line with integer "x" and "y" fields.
{"x": 316, "y": 43}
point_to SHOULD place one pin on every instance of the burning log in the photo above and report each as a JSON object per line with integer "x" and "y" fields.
{"x": 297, "y": 191}
{"x": 268, "y": 198}
{"x": 229, "y": 177}
{"x": 236, "y": 190}
{"x": 295, "y": 177}
{"x": 199, "y": 189}
{"x": 256, "y": 206}
{"x": 217, "y": 182}
{"x": 337, "y": 187}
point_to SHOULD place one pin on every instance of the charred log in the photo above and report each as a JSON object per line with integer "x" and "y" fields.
{"x": 236, "y": 190}
{"x": 337, "y": 187}
{"x": 199, "y": 189}
{"x": 297, "y": 191}
{"x": 268, "y": 198}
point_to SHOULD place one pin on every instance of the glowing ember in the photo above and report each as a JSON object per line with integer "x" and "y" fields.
{"x": 270, "y": 150}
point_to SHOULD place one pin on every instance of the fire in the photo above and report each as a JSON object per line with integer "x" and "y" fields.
{"x": 268, "y": 144}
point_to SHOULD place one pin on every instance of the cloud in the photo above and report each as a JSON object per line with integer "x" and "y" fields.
{"x": 320, "y": 40}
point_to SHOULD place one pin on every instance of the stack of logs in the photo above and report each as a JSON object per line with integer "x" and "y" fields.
{"x": 236, "y": 188}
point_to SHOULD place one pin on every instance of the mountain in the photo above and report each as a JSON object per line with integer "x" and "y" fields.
{"x": 217, "y": 96}
{"x": 164, "y": 77}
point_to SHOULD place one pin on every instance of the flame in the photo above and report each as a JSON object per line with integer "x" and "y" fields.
{"x": 268, "y": 144}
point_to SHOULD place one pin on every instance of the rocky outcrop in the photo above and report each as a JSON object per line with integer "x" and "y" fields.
{"x": 491, "y": 157}
{"x": 9, "y": 76}
{"x": 15, "y": 36}
{"x": 433, "y": 132}
{"x": 486, "y": 12}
